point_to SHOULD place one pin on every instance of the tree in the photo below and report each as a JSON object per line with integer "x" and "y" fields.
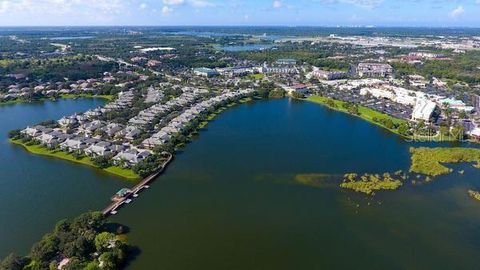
{"x": 12, "y": 262}
{"x": 404, "y": 129}
{"x": 458, "y": 132}
{"x": 108, "y": 260}
{"x": 45, "y": 250}
{"x": 298, "y": 95}
{"x": 101, "y": 162}
{"x": 103, "y": 239}
{"x": 444, "y": 131}
{"x": 14, "y": 134}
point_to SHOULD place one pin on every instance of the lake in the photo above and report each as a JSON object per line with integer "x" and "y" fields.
{"x": 245, "y": 47}
{"x": 38, "y": 191}
{"x": 229, "y": 200}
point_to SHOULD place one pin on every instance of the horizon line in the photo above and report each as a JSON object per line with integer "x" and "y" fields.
{"x": 252, "y": 25}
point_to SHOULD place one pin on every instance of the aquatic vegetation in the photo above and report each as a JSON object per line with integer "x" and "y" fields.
{"x": 429, "y": 161}
{"x": 474, "y": 194}
{"x": 317, "y": 180}
{"x": 368, "y": 183}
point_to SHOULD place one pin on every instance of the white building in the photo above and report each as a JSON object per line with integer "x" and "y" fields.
{"x": 374, "y": 70}
{"x": 423, "y": 110}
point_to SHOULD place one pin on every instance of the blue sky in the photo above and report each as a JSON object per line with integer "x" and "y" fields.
{"x": 437, "y": 13}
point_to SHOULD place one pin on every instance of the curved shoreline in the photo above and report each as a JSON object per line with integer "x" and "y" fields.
{"x": 42, "y": 151}
{"x": 322, "y": 101}
{"x": 63, "y": 96}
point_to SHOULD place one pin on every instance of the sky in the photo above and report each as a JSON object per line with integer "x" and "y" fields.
{"x": 433, "y": 13}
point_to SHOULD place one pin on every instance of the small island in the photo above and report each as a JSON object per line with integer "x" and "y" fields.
{"x": 474, "y": 194}
{"x": 369, "y": 183}
{"x": 429, "y": 161}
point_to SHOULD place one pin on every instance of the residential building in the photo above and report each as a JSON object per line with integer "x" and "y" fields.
{"x": 374, "y": 70}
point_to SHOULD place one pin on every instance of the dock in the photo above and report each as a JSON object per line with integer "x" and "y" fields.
{"x": 128, "y": 194}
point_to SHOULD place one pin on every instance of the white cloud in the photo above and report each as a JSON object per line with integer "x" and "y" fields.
{"x": 4, "y": 6}
{"x": 457, "y": 12}
{"x": 194, "y": 3}
{"x": 166, "y": 10}
{"x": 173, "y": 2}
{"x": 360, "y": 3}
{"x": 201, "y": 3}
{"x": 143, "y": 6}
{"x": 277, "y": 4}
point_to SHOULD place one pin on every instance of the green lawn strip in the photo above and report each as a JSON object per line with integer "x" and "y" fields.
{"x": 63, "y": 96}
{"x": 72, "y": 96}
{"x": 429, "y": 161}
{"x": 365, "y": 113}
{"x": 40, "y": 150}
{"x": 256, "y": 76}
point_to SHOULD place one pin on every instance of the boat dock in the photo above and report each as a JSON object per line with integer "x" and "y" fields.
{"x": 125, "y": 195}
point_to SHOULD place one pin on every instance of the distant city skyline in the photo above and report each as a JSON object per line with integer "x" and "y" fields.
{"x": 429, "y": 13}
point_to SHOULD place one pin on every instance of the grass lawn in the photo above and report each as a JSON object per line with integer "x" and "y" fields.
{"x": 40, "y": 150}
{"x": 64, "y": 96}
{"x": 71, "y": 96}
{"x": 365, "y": 113}
{"x": 256, "y": 76}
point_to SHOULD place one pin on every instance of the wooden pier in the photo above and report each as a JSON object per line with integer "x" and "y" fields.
{"x": 131, "y": 193}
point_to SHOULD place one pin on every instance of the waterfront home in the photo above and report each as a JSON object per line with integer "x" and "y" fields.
{"x": 170, "y": 130}
{"x": 150, "y": 143}
{"x": 36, "y": 131}
{"x": 297, "y": 88}
{"x": 158, "y": 138}
{"x": 92, "y": 114}
{"x": 100, "y": 149}
{"x": 130, "y": 157}
{"x": 74, "y": 144}
{"x": 53, "y": 139}
{"x": 68, "y": 121}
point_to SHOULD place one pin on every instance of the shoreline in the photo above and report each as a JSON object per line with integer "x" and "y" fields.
{"x": 127, "y": 174}
{"x": 437, "y": 138}
{"x": 362, "y": 109}
{"x": 43, "y": 151}
{"x": 63, "y": 96}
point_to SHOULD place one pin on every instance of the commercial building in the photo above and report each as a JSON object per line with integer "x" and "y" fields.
{"x": 329, "y": 75}
{"x": 297, "y": 88}
{"x": 456, "y": 104}
{"x": 286, "y": 62}
{"x": 206, "y": 72}
{"x": 374, "y": 70}
{"x": 423, "y": 110}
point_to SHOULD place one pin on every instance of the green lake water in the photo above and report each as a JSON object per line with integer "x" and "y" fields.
{"x": 229, "y": 200}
